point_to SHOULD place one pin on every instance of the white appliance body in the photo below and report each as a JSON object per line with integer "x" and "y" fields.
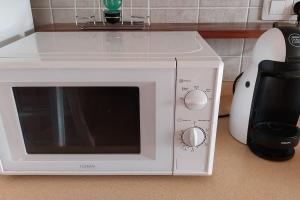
{"x": 162, "y": 66}
{"x": 270, "y": 46}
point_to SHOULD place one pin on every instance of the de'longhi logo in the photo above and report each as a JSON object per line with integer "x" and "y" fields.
{"x": 294, "y": 39}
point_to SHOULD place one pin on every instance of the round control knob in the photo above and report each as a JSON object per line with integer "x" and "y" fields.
{"x": 193, "y": 137}
{"x": 195, "y": 100}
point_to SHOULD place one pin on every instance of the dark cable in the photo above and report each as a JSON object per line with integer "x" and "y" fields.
{"x": 275, "y": 24}
{"x": 233, "y": 91}
{"x": 235, "y": 82}
{"x": 223, "y": 116}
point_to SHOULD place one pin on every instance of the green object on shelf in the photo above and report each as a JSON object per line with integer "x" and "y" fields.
{"x": 112, "y": 4}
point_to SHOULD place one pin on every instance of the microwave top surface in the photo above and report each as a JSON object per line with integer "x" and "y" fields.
{"x": 107, "y": 45}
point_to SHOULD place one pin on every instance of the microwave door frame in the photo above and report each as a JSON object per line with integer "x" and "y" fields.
{"x": 156, "y": 82}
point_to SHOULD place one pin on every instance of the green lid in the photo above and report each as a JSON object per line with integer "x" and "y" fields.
{"x": 112, "y": 4}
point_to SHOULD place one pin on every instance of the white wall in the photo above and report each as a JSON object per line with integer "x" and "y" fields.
{"x": 15, "y": 20}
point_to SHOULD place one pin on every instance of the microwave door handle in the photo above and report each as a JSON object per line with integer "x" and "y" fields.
{"x": 78, "y": 117}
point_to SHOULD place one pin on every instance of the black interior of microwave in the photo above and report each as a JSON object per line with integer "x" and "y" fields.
{"x": 79, "y": 120}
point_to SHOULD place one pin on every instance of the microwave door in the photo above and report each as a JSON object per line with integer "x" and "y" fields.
{"x": 112, "y": 120}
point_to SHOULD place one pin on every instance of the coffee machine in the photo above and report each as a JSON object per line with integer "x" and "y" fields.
{"x": 266, "y": 103}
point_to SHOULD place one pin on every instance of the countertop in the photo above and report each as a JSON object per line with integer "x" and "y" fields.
{"x": 238, "y": 174}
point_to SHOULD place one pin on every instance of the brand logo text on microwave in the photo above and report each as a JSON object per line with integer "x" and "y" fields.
{"x": 87, "y": 166}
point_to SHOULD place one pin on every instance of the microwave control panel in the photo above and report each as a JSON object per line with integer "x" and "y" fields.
{"x": 195, "y": 120}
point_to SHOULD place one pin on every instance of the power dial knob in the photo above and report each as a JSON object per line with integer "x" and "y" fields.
{"x": 193, "y": 137}
{"x": 195, "y": 100}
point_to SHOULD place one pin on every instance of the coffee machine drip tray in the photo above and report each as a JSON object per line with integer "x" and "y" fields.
{"x": 275, "y": 140}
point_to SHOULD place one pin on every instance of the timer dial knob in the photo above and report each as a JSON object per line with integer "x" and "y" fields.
{"x": 193, "y": 137}
{"x": 195, "y": 100}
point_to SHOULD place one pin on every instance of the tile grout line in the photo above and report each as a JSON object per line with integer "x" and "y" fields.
{"x": 156, "y": 8}
{"x": 242, "y": 56}
{"x": 198, "y": 14}
{"x": 236, "y": 56}
{"x": 244, "y": 39}
{"x": 51, "y": 12}
{"x": 248, "y": 11}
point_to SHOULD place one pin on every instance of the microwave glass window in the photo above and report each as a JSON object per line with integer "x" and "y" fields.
{"x": 79, "y": 120}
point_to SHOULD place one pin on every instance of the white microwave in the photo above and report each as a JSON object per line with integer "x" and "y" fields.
{"x": 109, "y": 103}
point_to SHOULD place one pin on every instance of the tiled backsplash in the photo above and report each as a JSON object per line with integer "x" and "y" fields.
{"x": 236, "y": 53}
{"x": 162, "y": 11}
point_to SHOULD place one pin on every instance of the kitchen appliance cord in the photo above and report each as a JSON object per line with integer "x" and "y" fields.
{"x": 233, "y": 91}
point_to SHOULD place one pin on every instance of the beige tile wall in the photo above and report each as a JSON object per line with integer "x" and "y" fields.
{"x": 236, "y": 53}
{"x": 187, "y": 11}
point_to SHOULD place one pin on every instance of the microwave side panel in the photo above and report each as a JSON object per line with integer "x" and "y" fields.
{"x": 195, "y": 128}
